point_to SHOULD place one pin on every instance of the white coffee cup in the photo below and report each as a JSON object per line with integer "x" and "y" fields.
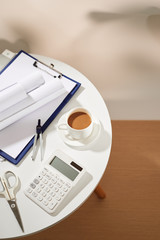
{"x": 79, "y": 123}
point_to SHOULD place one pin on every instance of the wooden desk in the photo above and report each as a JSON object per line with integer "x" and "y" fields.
{"x": 133, "y": 181}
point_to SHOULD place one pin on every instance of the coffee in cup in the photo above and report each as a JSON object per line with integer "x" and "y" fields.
{"x": 79, "y": 120}
{"x": 79, "y": 123}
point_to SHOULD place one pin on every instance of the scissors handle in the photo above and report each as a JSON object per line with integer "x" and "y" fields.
{"x": 9, "y": 182}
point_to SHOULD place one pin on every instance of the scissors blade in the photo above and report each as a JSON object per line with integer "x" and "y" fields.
{"x": 13, "y": 206}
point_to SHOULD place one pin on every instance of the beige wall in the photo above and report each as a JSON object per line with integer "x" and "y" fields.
{"x": 116, "y": 44}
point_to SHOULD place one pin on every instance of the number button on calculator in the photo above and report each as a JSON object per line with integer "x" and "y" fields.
{"x": 47, "y": 190}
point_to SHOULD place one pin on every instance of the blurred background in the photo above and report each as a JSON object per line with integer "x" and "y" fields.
{"x": 115, "y": 44}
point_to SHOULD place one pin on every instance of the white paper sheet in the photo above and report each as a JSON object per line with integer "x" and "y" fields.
{"x": 11, "y": 96}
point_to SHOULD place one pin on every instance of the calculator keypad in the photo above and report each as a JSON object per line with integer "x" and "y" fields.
{"x": 47, "y": 190}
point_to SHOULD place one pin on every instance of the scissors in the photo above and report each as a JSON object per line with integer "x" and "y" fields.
{"x": 38, "y": 135}
{"x": 8, "y": 184}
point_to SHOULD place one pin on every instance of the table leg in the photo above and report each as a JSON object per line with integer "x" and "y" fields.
{"x": 99, "y": 192}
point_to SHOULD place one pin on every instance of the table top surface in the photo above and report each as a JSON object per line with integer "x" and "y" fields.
{"x": 94, "y": 157}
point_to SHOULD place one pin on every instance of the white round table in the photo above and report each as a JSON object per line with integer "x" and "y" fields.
{"x": 94, "y": 157}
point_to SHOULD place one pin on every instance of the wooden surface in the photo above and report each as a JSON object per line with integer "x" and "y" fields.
{"x": 131, "y": 209}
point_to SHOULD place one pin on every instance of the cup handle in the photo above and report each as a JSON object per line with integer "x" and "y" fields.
{"x": 62, "y": 126}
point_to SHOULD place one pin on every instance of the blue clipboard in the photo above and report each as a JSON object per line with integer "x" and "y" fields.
{"x": 18, "y": 158}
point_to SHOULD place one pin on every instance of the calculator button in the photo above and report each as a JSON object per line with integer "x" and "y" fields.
{"x": 47, "y": 189}
{"x": 42, "y": 185}
{"x": 68, "y": 185}
{"x": 44, "y": 194}
{"x": 43, "y": 172}
{"x": 34, "y": 194}
{"x": 52, "y": 194}
{"x": 61, "y": 181}
{"x": 56, "y": 189}
{"x": 40, "y": 198}
{"x": 45, "y": 202}
{"x": 59, "y": 184}
{"x": 45, "y": 180}
{"x": 54, "y": 180}
{"x": 38, "y": 190}
{"x": 48, "y": 176}
{"x": 50, "y": 185}
{"x": 32, "y": 185}
{"x": 58, "y": 198}
{"x": 57, "y": 177}
{"x": 29, "y": 190}
{"x": 36, "y": 181}
{"x": 49, "y": 198}
{"x": 52, "y": 174}
{"x": 52, "y": 205}
{"x": 61, "y": 193}
{"x": 65, "y": 189}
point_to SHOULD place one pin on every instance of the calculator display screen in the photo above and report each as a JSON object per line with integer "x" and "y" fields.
{"x": 64, "y": 168}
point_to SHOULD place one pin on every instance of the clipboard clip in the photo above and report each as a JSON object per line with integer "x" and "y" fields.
{"x": 51, "y": 67}
{"x": 38, "y": 135}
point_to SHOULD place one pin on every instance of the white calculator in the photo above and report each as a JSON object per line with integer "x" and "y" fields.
{"x": 50, "y": 186}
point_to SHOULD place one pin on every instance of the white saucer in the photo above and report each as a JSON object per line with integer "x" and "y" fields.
{"x": 64, "y": 135}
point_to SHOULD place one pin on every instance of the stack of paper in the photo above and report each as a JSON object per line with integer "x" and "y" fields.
{"x": 25, "y": 88}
